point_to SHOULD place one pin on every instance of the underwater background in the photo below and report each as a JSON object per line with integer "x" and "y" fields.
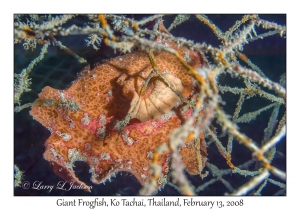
{"x": 58, "y": 70}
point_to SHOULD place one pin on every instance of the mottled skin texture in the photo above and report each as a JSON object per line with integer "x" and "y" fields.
{"x": 104, "y": 95}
